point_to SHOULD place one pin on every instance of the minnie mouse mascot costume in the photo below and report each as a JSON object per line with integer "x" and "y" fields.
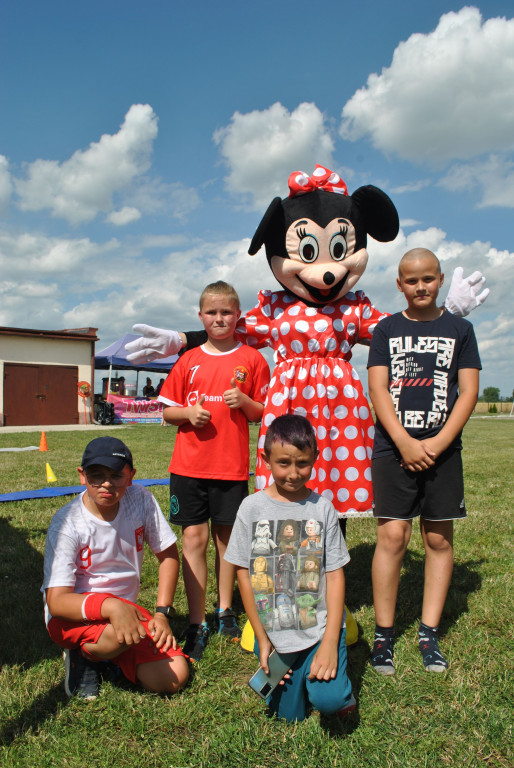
{"x": 315, "y": 243}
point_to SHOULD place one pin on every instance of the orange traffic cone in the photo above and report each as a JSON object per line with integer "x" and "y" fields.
{"x": 50, "y": 477}
{"x": 42, "y": 444}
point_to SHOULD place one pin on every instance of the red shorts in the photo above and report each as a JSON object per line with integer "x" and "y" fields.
{"x": 75, "y": 634}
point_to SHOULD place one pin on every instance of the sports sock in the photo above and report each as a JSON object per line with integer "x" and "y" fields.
{"x": 433, "y": 659}
{"x": 382, "y": 655}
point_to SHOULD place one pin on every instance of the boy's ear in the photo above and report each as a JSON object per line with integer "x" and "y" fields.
{"x": 265, "y": 459}
{"x": 399, "y": 285}
{"x": 82, "y": 475}
{"x": 132, "y": 473}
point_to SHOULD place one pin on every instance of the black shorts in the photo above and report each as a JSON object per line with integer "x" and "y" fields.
{"x": 435, "y": 494}
{"x": 196, "y": 500}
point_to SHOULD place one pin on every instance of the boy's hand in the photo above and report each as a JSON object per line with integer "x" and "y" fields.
{"x": 160, "y": 631}
{"x": 415, "y": 457}
{"x": 233, "y": 396}
{"x": 126, "y": 621}
{"x": 265, "y": 649}
{"x": 199, "y": 416}
{"x": 324, "y": 663}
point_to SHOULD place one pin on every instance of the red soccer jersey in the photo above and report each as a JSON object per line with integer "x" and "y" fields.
{"x": 219, "y": 450}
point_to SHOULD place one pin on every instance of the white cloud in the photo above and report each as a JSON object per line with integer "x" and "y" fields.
{"x": 83, "y": 186}
{"x": 156, "y": 197}
{"x": 494, "y": 176}
{"x": 262, "y": 148}
{"x": 125, "y": 215}
{"x": 5, "y": 184}
{"x": 447, "y": 95}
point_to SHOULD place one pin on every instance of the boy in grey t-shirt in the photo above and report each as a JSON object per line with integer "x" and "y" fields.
{"x": 295, "y": 600}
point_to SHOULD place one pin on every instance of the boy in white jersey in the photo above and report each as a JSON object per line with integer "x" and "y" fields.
{"x": 211, "y": 394}
{"x": 93, "y": 558}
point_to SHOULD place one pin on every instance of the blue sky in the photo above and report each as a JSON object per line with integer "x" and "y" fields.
{"x": 141, "y": 144}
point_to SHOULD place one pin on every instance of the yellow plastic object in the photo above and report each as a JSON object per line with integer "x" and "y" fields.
{"x": 352, "y": 633}
{"x": 50, "y": 477}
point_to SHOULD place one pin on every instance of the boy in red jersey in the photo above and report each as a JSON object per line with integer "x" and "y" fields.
{"x": 211, "y": 394}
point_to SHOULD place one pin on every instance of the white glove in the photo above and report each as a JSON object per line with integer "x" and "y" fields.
{"x": 153, "y": 344}
{"x": 465, "y": 294}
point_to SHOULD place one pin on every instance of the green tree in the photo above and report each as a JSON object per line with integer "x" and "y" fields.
{"x": 491, "y": 395}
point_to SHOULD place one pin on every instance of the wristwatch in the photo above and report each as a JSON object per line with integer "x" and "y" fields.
{"x": 168, "y": 610}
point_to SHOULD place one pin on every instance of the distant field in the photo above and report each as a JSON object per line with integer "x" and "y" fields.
{"x": 463, "y": 718}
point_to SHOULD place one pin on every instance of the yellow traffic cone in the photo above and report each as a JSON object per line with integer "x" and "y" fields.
{"x": 50, "y": 477}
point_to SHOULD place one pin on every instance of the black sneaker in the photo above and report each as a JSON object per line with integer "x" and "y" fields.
{"x": 433, "y": 659}
{"x": 382, "y": 655}
{"x": 82, "y": 677}
{"x": 226, "y": 624}
{"x": 196, "y": 636}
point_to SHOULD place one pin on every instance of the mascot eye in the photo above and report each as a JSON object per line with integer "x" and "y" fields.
{"x": 338, "y": 246}
{"x": 308, "y": 248}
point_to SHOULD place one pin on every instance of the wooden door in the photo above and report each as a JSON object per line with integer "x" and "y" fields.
{"x": 40, "y": 394}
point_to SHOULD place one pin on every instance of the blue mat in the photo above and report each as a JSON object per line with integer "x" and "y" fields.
{"x": 68, "y": 490}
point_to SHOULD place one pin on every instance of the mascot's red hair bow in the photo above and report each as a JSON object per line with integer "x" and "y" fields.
{"x": 299, "y": 183}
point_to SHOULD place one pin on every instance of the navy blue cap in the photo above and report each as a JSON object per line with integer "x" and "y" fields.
{"x": 107, "y": 451}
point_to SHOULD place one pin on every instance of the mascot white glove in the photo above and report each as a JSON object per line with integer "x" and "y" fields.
{"x": 465, "y": 293}
{"x": 153, "y": 344}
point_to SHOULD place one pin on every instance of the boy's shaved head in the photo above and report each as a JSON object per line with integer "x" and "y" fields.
{"x": 414, "y": 255}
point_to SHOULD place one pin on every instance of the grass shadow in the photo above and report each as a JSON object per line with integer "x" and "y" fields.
{"x": 41, "y": 708}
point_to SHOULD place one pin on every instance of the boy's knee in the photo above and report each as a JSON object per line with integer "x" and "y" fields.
{"x": 164, "y": 676}
{"x": 329, "y": 696}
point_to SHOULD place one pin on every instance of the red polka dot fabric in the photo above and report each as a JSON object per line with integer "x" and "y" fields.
{"x": 313, "y": 377}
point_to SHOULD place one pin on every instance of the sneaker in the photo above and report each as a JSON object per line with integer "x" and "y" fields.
{"x": 196, "y": 637}
{"x": 82, "y": 678}
{"x": 433, "y": 659}
{"x": 345, "y": 711}
{"x": 226, "y": 624}
{"x": 382, "y": 656}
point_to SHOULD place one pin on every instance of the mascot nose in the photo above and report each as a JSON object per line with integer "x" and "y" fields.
{"x": 328, "y": 278}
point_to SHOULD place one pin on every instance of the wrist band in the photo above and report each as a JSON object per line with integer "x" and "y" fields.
{"x": 92, "y": 606}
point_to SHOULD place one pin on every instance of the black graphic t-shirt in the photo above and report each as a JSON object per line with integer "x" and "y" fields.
{"x": 424, "y": 359}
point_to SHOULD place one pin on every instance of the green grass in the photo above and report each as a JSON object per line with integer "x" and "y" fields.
{"x": 462, "y": 718}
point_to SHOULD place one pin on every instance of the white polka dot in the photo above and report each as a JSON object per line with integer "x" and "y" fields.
{"x": 272, "y": 382}
{"x": 367, "y": 473}
{"x": 277, "y": 399}
{"x": 322, "y": 433}
{"x": 314, "y": 370}
{"x": 327, "y": 494}
{"x": 345, "y": 347}
{"x": 334, "y": 474}
{"x": 327, "y": 454}
{"x": 366, "y": 313}
{"x": 321, "y": 474}
{"x": 285, "y": 329}
{"x": 302, "y": 374}
{"x": 348, "y": 391}
{"x": 371, "y": 432}
{"x": 329, "y": 309}
{"x": 313, "y": 475}
{"x": 278, "y": 312}
{"x": 260, "y": 443}
{"x": 274, "y": 333}
{"x": 351, "y": 474}
{"x": 350, "y": 329}
{"x": 330, "y": 344}
{"x": 342, "y": 453}
{"x": 351, "y": 432}
{"x": 283, "y": 378}
{"x": 282, "y": 350}
{"x": 334, "y": 433}
{"x": 360, "y": 453}
{"x": 338, "y": 325}
{"x": 302, "y": 326}
{"x": 363, "y": 412}
{"x": 293, "y": 393}
{"x": 311, "y": 311}
{"x": 341, "y": 412}
{"x": 262, "y": 329}
{"x": 296, "y": 346}
{"x": 299, "y": 411}
{"x": 356, "y": 413}
{"x": 309, "y": 393}
{"x": 293, "y": 311}
{"x": 355, "y": 375}
{"x": 315, "y": 411}
{"x": 343, "y": 494}
{"x": 260, "y": 483}
{"x": 332, "y": 392}
{"x": 320, "y": 390}
{"x": 326, "y": 412}
{"x": 338, "y": 372}
{"x": 369, "y": 451}
{"x": 321, "y": 325}
{"x": 313, "y": 345}
{"x": 325, "y": 371}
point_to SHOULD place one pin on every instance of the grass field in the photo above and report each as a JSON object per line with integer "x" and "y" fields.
{"x": 462, "y": 718}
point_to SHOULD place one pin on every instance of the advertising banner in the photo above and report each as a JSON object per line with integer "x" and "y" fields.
{"x": 129, "y": 410}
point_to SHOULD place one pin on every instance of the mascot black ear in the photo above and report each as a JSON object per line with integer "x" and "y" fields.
{"x": 378, "y": 213}
{"x": 270, "y": 231}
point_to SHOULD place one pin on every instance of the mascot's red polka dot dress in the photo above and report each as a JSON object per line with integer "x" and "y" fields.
{"x": 313, "y": 377}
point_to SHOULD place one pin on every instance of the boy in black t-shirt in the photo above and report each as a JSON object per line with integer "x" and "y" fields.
{"x": 423, "y": 383}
